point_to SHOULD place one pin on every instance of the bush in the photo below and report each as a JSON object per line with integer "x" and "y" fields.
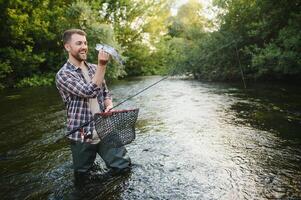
{"x": 37, "y": 80}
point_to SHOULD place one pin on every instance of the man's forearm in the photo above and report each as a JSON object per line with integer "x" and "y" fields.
{"x": 103, "y": 58}
{"x": 99, "y": 75}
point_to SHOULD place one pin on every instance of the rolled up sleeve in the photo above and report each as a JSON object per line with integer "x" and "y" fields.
{"x": 70, "y": 83}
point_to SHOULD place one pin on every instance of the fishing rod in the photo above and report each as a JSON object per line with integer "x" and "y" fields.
{"x": 125, "y": 100}
{"x": 116, "y": 56}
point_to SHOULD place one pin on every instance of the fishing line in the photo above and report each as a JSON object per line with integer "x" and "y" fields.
{"x": 237, "y": 56}
{"x": 162, "y": 79}
{"x": 241, "y": 71}
{"x": 125, "y": 100}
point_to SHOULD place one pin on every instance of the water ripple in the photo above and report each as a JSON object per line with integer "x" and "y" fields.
{"x": 194, "y": 141}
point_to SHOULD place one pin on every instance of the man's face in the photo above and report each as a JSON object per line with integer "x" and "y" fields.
{"x": 77, "y": 47}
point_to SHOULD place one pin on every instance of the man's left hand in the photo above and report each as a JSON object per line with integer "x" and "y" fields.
{"x": 108, "y": 108}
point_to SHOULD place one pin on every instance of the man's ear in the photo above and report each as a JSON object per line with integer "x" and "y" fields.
{"x": 67, "y": 47}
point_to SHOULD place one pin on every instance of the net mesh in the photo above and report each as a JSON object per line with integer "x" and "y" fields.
{"x": 116, "y": 128}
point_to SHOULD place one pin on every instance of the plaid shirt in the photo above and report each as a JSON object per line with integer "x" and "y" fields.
{"x": 75, "y": 92}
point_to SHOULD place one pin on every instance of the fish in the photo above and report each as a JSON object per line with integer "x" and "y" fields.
{"x": 110, "y": 50}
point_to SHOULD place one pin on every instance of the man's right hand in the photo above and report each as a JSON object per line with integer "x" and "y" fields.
{"x": 103, "y": 58}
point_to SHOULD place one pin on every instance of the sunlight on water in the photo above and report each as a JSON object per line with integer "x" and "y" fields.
{"x": 194, "y": 141}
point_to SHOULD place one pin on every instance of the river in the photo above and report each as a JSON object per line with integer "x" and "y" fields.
{"x": 194, "y": 140}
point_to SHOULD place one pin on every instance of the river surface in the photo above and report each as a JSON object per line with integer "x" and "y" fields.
{"x": 194, "y": 140}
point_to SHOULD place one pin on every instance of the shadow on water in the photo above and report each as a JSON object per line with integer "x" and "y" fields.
{"x": 194, "y": 141}
{"x": 273, "y": 107}
{"x": 101, "y": 187}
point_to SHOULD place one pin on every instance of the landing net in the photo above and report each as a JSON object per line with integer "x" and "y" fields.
{"x": 116, "y": 128}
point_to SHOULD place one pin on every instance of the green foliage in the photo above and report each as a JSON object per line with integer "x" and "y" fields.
{"x": 31, "y": 35}
{"x": 264, "y": 34}
{"x": 137, "y": 25}
{"x": 5, "y": 69}
{"x": 27, "y": 37}
{"x": 81, "y": 15}
{"x": 37, "y": 80}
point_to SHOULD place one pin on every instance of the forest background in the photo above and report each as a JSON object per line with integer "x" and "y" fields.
{"x": 259, "y": 40}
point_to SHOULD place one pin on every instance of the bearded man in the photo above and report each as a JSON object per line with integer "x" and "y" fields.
{"x": 84, "y": 91}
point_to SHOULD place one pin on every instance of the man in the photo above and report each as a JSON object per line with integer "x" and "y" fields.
{"x": 84, "y": 92}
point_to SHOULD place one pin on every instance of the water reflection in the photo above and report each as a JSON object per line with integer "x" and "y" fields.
{"x": 194, "y": 141}
{"x": 271, "y": 107}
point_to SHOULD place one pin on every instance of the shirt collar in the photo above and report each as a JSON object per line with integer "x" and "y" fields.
{"x": 74, "y": 67}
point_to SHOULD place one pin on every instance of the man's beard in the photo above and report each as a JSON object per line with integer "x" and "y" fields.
{"x": 80, "y": 57}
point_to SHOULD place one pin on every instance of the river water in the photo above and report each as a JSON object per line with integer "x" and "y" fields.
{"x": 194, "y": 140}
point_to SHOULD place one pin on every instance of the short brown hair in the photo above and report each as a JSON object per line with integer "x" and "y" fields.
{"x": 68, "y": 33}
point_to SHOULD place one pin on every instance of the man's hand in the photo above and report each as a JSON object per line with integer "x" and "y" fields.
{"x": 103, "y": 58}
{"x": 108, "y": 108}
{"x": 108, "y": 105}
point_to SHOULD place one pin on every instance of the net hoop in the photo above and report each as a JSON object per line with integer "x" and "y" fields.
{"x": 116, "y": 128}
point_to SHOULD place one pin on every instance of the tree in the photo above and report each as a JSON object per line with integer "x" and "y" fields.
{"x": 26, "y": 37}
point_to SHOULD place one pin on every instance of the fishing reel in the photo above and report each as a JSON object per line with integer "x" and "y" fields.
{"x": 110, "y": 50}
